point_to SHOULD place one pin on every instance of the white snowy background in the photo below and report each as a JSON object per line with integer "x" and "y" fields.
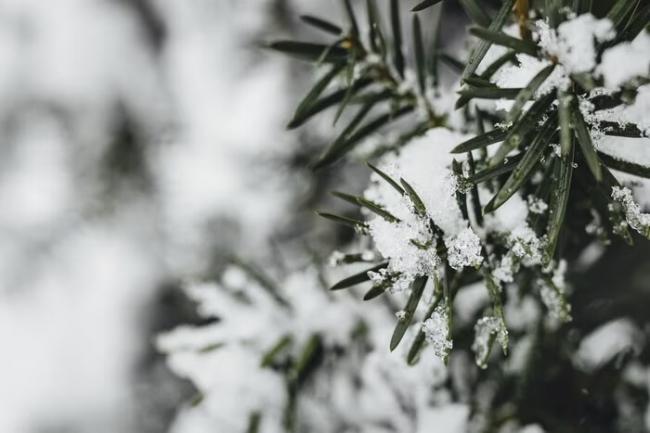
{"x": 80, "y": 266}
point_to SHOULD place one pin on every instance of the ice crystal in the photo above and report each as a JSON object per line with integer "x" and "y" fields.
{"x": 636, "y": 219}
{"x": 526, "y": 246}
{"x": 487, "y": 330}
{"x": 436, "y": 331}
{"x": 464, "y": 249}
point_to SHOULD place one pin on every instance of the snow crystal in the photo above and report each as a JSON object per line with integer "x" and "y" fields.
{"x": 436, "y": 331}
{"x": 425, "y": 164}
{"x": 505, "y": 271}
{"x": 573, "y": 44}
{"x": 526, "y": 246}
{"x": 626, "y": 60}
{"x": 638, "y": 220}
{"x": 395, "y": 242}
{"x": 410, "y": 244}
{"x": 486, "y": 331}
{"x": 464, "y": 249}
{"x": 378, "y": 277}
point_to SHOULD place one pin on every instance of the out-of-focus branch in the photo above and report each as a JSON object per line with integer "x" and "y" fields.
{"x": 522, "y": 9}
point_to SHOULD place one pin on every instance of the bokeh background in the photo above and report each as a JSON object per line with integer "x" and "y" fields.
{"x": 142, "y": 142}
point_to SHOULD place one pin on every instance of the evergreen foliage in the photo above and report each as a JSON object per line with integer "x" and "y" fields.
{"x": 492, "y": 188}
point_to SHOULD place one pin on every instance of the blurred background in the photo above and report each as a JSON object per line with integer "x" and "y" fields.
{"x": 142, "y": 142}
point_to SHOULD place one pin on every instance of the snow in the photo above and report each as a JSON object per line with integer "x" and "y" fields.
{"x": 526, "y": 246}
{"x": 83, "y": 58}
{"x": 392, "y": 240}
{"x": 536, "y": 205}
{"x": 258, "y": 389}
{"x": 604, "y": 343}
{"x": 626, "y": 61}
{"x": 518, "y": 76}
{"x": 246, "y": 331}
{"x": 425, "y": 164}
{"x": 508, "y": 217}
{"x": 638, "y": 220}
{"x": 469, "y": 301}
{"x": 464, "y": 249}
{"x": 80, "y": 264}
{"x": 436, "y": 331}
{"x": 486, "y": 330}
{"x": 553, "y": 295}
{"x": 573, "y": 44}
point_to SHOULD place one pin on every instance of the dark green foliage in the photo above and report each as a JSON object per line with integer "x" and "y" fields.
{"x": 541, "y": 149}
{"x": 322, "y": 24}
{"x": 359, "y": 278}
{"x": 481, "y": 49}
{"x": 425, "y": 4}
{"x": 409, "y": 311}
{"x": 311, "y": 51}
{"x": 500, "y": 38}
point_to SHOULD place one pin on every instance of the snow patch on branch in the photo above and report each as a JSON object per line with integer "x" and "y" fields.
{"x": 464, "y": 249}
{"x": 626, "y": 61}
{"x": 436, "y": 331}
{"x": 573, "y": 44}
{"x": 636, "y": 219}
{"x": 411, "y": 244}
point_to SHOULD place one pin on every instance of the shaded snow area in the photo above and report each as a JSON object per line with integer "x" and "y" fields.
{"x": 387, "y": 390}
